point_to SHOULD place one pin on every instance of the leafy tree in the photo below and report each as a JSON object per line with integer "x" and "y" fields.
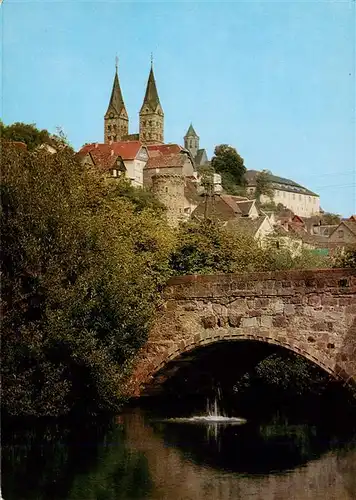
{"x": 207, "y": 247}
{"x": 32, "y": 136}
{"x": 227, "y": 162}
{"x": 206, "y": 173}
{"x": 331, "y": 219}
{"x": 286, "y": 373}
{"x": 345, "y": 258}
{"x": 141, "y": 198}
{"x": 264, "y": 186}
{"x": 81, "y": 272}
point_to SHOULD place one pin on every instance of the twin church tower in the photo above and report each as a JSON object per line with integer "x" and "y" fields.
{"x": 151, "y": 131}
{"x": 116, "y": 120}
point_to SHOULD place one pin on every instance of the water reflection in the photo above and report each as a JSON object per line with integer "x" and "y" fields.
{"x": 141, "y": 458}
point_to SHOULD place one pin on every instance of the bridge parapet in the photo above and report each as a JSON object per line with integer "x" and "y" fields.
{"x": 292, "y": 282}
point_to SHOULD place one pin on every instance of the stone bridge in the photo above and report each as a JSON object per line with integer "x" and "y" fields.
{"x": 312, "y": 313}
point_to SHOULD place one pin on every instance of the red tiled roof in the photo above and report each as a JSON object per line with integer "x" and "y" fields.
{"x": 16, "y": 144}
{"x": 165, "y": 149}
{"x": 165, "y": 161}
{"x": 128, "y": 150}
{"x": 229, "y": 200}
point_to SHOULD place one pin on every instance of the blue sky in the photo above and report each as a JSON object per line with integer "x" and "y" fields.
{"x": 276, "y": 80}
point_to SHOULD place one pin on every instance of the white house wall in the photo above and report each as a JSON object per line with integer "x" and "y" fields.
{"x": 303, "y": 205}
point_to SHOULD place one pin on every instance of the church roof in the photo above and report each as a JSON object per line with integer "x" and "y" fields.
{"x": 165, "y": 149}
{"x": 191, "y": 132}
{"x": 151, "y": 97}
{"x": 106, "y": 154}
{"x": 116, "y": 99}
{"x": 164, "y": 161}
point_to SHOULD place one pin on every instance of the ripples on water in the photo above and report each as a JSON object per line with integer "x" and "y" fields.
{"x": 137, "y": 457}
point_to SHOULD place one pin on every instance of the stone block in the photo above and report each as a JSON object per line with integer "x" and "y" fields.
{"x": 265, "y": 321}
{"x": 222, "y": 321}
{"x": 279, "y": 321}
{"x": 289, "y": 309}
{"x": 276, "y": 306}
{"x": 239, "y": 304}
{"x": 234, "y": 320}
{"x": 249, "y": 322}
{"x": 320, "y": 326}
{"x": 329, "y": 300}
{"x": 314, "y": 300}
{"x": 261, "y": 302}
{"x": 209, "y": 321}
{"x": 254, "y": 313}
{"x": 296, "y": 299}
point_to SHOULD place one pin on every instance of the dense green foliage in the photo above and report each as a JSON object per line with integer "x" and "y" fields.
{"x": 227, "y": 162}
{"x": 207, "y": 247}
{"x": 330, "y": 219}
{"x": 30, "y": 135}
{"x": 81, "y": 271}
{"x": 346, "y": 258}
{"x": 288, "y": 373}
{"x": 264, "y": 185}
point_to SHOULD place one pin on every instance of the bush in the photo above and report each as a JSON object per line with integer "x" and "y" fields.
{"x": 207, "y": 247}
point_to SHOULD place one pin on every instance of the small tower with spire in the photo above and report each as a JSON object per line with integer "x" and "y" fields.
{"x": 151, "y": 114}
{"x": 116, "y": 120}
{"x": 191, "y": 141}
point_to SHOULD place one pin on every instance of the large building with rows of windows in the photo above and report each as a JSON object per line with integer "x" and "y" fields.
{"x": 297, "y": 198}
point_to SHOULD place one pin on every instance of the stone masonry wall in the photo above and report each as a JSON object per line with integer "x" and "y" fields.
{"x": 312, "y": 313}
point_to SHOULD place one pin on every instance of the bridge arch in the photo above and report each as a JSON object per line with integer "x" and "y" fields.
{"x": 311, "y": 313}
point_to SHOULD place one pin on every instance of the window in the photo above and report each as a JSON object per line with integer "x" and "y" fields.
{"x": 166, "y": 190}
{"x": 340, "y": 233}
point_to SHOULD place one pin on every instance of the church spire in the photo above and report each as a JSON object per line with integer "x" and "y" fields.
{"x": 151, "y": 97}
{"x": 191, "y": 141}
{"x": 151, "y": 113}
{"x": 116, "y": 100}
{"x": 116, "y": 120}
{"x": 191, "y": 132}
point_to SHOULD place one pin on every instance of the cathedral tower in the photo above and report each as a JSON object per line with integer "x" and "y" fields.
{"x": 151, "y": 114}
{"x": 116, "y": 120}
{"x": 191, "y": 141}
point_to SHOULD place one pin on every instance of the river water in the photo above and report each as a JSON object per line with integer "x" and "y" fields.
{"x": 145, "y": 456}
